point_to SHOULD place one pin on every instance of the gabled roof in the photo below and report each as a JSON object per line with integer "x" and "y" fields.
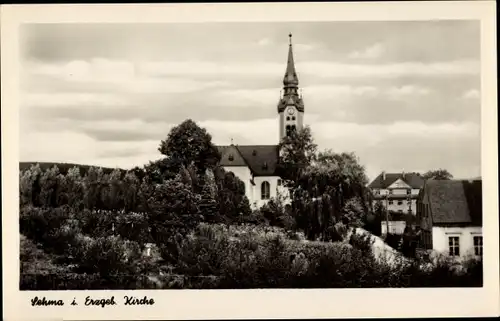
{"x": 455, "y": 201}
{"x": 412, "y": 179}
{"x": 261, "y": 159}
{"x": 231, "y": 155}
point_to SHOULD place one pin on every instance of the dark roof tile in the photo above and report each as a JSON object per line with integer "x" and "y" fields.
{"x": 262, "y": 159}
{"x": 412, "y": 179}
{"x": 455, "y": 201}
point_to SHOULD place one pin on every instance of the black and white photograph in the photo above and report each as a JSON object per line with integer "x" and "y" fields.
{"x": 239, "y": 155}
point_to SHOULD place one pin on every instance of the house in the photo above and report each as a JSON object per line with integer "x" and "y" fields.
{"x": 398, "y": 193}
{"x": 449, "y": 214}
{"x": 256, "y": 165}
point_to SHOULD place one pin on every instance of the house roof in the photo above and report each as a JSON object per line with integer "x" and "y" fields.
{"x": 261, "y": 159}
{"x": 455, "y": 201}
{"x": 412, "y": 179}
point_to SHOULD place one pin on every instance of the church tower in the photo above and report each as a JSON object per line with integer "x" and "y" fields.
{"x": 290, "y": 106}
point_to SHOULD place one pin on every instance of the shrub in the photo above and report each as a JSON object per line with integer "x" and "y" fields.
{"x": 108, "y": 256}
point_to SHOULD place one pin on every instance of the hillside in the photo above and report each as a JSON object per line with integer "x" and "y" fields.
{"x": 63, "y": 167}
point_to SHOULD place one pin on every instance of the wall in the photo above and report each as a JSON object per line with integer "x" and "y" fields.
{"x": 466, "y": 243}
{"x": 403, "y": 207}
{"x": 243, "y": 173}
{"x": 274, "y": 188}
{"x": 395, "y": 227}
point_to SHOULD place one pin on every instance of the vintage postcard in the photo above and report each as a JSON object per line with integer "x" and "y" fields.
{"x": 249, "y": 160}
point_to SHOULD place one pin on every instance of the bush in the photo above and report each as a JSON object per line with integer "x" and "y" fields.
{"x": 108, "y": 256}
{"x": 251, "y": 257}
{"x": 52, "y": 227}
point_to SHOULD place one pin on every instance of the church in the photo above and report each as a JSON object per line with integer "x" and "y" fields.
{"x": 256, "y": 165}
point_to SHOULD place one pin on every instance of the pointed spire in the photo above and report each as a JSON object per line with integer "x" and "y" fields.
{"x": 290, "y": 79}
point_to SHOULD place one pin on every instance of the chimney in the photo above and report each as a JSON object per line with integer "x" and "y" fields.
{"x": 383, "y": 175}
{"x": 403, "y": 174}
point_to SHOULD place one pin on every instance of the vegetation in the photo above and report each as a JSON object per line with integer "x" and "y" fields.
{"x": 439, "y": 174}
{"x": 88, "y": 229}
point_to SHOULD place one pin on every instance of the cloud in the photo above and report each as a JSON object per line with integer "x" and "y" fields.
{"x": 407, "y": 91}
{"x": 372, "y": 52}
{"x": 471, "y": 94}
{"x": 410, "y": 146}
{"x": 264, "y": 42}
{"x": 390, "y": 70}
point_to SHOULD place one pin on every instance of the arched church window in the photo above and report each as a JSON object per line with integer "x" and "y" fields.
{"x": 287, "y": 118}
{"x": 265, "y": 190}
{"x": 288, "y": 130}
{"x": 293, "y": 118}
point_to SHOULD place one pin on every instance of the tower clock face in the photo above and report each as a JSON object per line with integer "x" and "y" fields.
{"x": 291, "y": 111}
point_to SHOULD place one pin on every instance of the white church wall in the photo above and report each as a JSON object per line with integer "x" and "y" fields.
{"x": 273, "y": 184}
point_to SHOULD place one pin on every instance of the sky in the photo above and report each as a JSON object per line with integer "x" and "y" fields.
{"x": 404, "y": 96}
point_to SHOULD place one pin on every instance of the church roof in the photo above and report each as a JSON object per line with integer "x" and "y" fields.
{"x": 293, "y": 100}
{"x": 290, "y": 83}
{"x": 231, "y": 155}
{"x": 261, "y": 159}
{"x": 290, "y": 79}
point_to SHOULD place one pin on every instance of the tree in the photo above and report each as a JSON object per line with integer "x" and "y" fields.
{"x": 93, "y": 184}
{"x": 232, "y": 200}
{"x": 188, "y": 143}
{"x": 375, "y": 218}
{"x": 329, "y": 192}
{"x": 49, "y": 187}
{"x": 173, "y": 208}
{"x": 278, "y": 213}
{"x": 297, "y": 152}
{"x": 74, "y": 185}
{"x": 131, "y": 191}
{"x": 439, "y": 174}
{"x": 113, "y": 198}
{"x": 29, "y": 185}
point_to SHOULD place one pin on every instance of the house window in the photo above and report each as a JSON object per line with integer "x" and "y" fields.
{"x": 478, "y": 245}
{"x": 377, "y": 192}
{"x": 265, "y": 190}
{"x": 454, "y": 246}
{"x": 390, "y": 202}
{"x": 390, "y": 191}
{"x": 408, "y": 192}
{"x": 279, "y": 182}
{"x": 400, "y": 202}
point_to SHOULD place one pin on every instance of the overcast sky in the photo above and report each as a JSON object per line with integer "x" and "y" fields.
{"x": 401, "y": 95}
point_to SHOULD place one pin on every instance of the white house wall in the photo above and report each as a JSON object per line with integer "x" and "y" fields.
{"x": 396, "y": 208}
{"x": 466, "y": 242}
{"x": 395, "y": 227}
